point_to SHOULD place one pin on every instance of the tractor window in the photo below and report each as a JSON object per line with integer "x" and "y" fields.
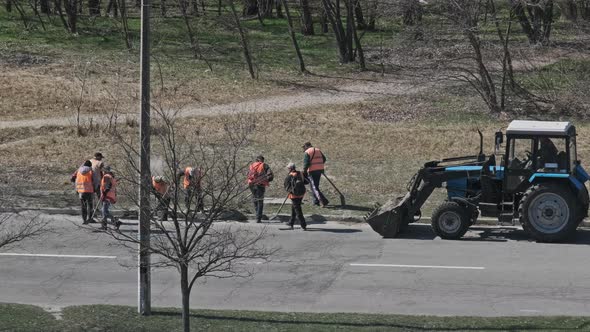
{"x": 551, "y": 155}
{"x": 520, "y": 153}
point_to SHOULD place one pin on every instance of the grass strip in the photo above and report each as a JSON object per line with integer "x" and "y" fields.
{"x": 16, "y": 317}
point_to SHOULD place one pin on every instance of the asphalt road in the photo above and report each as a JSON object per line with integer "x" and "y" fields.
{"x": 333, "y": 267}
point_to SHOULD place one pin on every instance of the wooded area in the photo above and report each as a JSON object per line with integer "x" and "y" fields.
{"x": 489, "y": 44}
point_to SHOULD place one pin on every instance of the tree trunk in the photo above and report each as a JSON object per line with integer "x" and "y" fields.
{"x": 22, "y": 14}
{"x": 279, "y": 9}
{"x": 571, "y": 10}
{"x": 72, "y": 14}
{"x": 585, "y": 9}
{"x": 357, "y": 42}
{"x": 349, "y": 31}
{"x": 8, "y": 6}
{"x": 358, "y": 13}
{"x": 333, "y": 14}
{"x": 486, "y": 81}
{"x": 61, "y": 14}
{"x": 537, "y": 26}
{"x": 250, "y": 8}
{"x": 372, "y": 15}
{"x": 523, "y": 20}
{"x": 547, "y": 21}
{"x": 184, "y": 289}
{"x": 195, "y": 5}
{"x": 113, "y": 6}
{"x": 34, "y": 8}
{"x": 163, "y": 8}
{"x": 324, "y": 21}
{"x": 94, "y": 7}
{"x": 124, "y": 22}
{"x": 293, "y": 38}
{"x": 306, "y": 18}
{"x": 243, "y": 40}
{"x": 44, "y": 6}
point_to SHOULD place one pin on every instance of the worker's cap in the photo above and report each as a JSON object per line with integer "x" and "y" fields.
{"x": 291, "y": 166}
{"x": 98, "y": 155}
{"x": 158, "y": 178}
{"x": 260, "y": 158}
{"x": 107, "y": 169}
{"x": 307, "y": 145}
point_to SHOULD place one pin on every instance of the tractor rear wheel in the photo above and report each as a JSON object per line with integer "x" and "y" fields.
{"x": 548, "y": 212}
{"x": 450, "y": 221}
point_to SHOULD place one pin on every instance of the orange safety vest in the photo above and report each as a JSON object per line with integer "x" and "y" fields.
{"x": 316, "y": 159}
{"x": 84, "y": 182}
{"x": 161, "y": 187}
{"x": 112, "y": 194}
{"x": 195, "y": 182}
{"x": 294, "y": 174}
{"x": 257, "y": 175}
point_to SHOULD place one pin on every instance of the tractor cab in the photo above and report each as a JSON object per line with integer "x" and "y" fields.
{"x": 537, "y": 150}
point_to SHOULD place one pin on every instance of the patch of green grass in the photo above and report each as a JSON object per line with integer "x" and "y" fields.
{"x": 123, "y": 318}
{"x": 563, "y": 74}
{"x": 21, "y": 317}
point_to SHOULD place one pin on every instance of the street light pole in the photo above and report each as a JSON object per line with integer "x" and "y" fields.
{"x": 144, "y": 298}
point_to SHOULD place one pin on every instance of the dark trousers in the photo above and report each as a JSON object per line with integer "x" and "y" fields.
{"x": 297, "y": 212}
{"x": 163, "y": 204}
{"x": 194, "y": 195}
{"x": 315, "y": 177}
{"x": 87, "y": 206}
{"x": 258, "y": 200}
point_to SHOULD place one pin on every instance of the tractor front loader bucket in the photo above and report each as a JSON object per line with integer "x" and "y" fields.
{"x": 389, "y": 218}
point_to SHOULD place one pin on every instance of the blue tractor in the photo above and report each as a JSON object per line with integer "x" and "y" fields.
{"x": 538, "y": 181}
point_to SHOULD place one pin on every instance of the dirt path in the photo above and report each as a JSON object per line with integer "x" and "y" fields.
{"x": 308, "y": 98}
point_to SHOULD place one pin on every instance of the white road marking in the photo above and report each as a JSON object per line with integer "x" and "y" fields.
{"x": 57, "y": 256}
{"x": 530, "y": 310}
{"x": 422, "y": 266}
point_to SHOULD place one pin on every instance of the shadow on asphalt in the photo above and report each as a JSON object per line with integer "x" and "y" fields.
{"x": 349, "y": 207}
{"x": 328, "y": 230}
{"x": 333, "y": 230}
{"x": 489, "y": 234}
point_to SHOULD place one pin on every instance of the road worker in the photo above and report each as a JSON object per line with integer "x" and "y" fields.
{"x": 192, "y": 186}
{"x": 97, "y": 165}
{"x": 313, "y": 167}
{"x": 85, "y": 188}
{"x": 259, "y": 177}
{"x": 161, "y": 191}
{"x": 295, "y": 185}
{"x": 108, "y": 196}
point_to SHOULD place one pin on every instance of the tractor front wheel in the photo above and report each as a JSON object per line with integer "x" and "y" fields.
{"x": 548, "y": 212}
{"x": 450, "y": 221}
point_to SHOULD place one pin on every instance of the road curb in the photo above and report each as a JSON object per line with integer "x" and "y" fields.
{"x": 281, "y": 217}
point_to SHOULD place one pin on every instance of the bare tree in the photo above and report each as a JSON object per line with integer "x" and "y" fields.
{"x": 535, "y": 18}
{"x": 192, "y": 34}
{"x": 71, "y": 7}
{"x": 191, "y": 241}
{"x": 306, "y": 18}
{"x": 243, "y": 40}
{"x": 293, "y": 38}
{"x": 15, "y": 228}
{"x": 343, "y": 26}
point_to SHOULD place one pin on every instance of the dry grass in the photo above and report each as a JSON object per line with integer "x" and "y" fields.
{"x": 370, "y": 161}
{"x": 60, "y": 87}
